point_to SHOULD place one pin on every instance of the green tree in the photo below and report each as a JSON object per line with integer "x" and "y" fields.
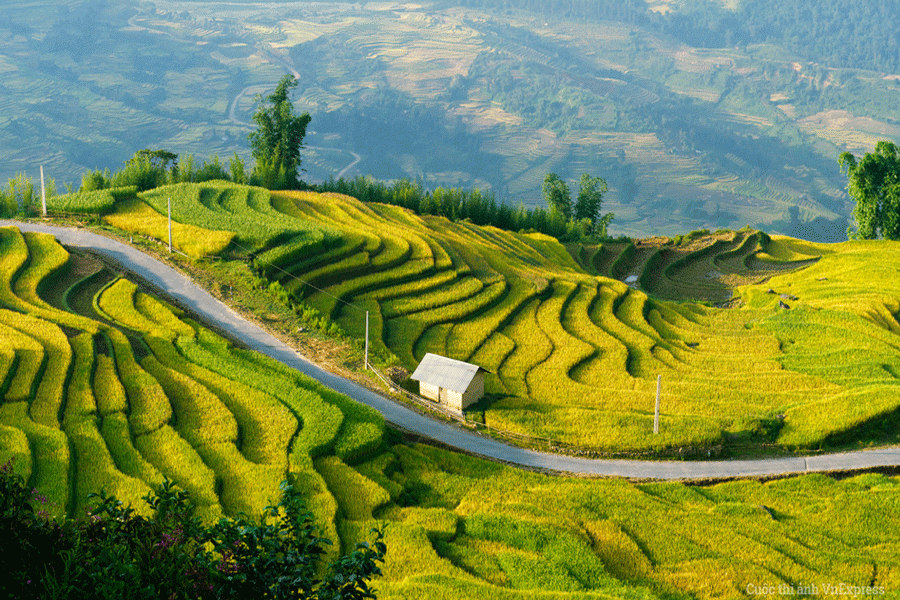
{"x": 589, "y": 203}
{"x": 874, "y": 182}
{"x": 236, "y": 167}
{"x": 277, "y": 143}
{"x": 147, "y": 169}
{"x": 95, "y": 180}
{"x": 158, "y": 159}
{"x": 557, "y": 196}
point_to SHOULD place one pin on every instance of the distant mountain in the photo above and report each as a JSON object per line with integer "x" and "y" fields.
{"x": 731, "y": 121}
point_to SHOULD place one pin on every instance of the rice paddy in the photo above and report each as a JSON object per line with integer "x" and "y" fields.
{"x": 139, "y": 218}
{"x": 490, "y": 530}
{"x": 573, "y": 353}
{"x": 127, "y": 392}
{"x": 145, "y": 393}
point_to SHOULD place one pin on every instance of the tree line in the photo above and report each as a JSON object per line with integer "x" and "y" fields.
{"x": 146, "y": 170}
{"x": 562, "y": 219}
{"x": 277, "y": 145}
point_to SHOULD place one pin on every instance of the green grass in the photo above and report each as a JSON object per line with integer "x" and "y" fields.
{"x": 136, "y": 217}
{"x": 227, "y": 207}
{"x": 599, "y": 343}
{"x": 459, "y": 526}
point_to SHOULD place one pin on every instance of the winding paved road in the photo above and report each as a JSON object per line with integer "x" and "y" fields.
{"x": 196, "y": 299}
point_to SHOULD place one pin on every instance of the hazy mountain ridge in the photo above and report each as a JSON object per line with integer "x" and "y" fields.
{"x": 484, "y": 94}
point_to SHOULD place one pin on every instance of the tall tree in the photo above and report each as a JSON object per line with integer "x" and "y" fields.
{"x": 277, "y": 143}
{"x": 147, "y": 169}
{"x": 557, "y": 196}
{"x": 158, "y": 159}
{"x": 589, "y": 203}
{"x": 874, "y": 182}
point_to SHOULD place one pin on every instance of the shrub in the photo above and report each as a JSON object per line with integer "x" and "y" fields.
{"x": 95, "y": 180}
{"x": 117, "y": 553}
{"x": 141, "y": 171}
{"x": 20, "y": 197}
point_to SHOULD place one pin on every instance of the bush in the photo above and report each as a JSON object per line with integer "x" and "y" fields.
{"x": 95, "y": 180}
{"x": 142, "y": 172}
{"x": 687, "y": 238}
{"x": 20, "y": 197}
{"x": 116, "y": 553}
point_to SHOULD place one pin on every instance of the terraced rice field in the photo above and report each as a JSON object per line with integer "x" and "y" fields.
{"x": 246, "y": 211}
{"x": 104, "y": 386}
{"x": 136, "y": 217}
{"x": 573, "y": 353}
{"x": 461, "y": 527}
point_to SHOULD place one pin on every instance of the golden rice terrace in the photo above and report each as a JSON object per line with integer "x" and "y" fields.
{"x": 757, "y": 339}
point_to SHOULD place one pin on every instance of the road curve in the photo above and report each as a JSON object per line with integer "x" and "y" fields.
{"x": 190, "y": 296}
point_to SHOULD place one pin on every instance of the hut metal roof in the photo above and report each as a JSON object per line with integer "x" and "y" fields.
{"x": 446, "y": 373}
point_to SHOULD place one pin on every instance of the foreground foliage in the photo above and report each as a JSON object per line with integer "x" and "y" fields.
{"x": 115, "y": 552}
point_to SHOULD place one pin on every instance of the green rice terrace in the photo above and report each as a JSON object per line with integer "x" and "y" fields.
{"x": 106, "y": 386}
{"x": 758, "y": 340}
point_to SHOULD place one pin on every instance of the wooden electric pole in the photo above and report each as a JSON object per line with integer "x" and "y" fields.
{"x": 656, "y": 412}
{"x": 367, "y": 342}
{"x": 43, "y": 193}
{"x": 170, "y": 224}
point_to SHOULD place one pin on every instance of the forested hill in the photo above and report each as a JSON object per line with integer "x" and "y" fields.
{"x": 845, "y": 35}
{"x": 859, "y": 35}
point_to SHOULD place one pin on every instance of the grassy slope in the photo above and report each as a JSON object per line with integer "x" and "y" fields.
{"x": 456, "y": 526}
{"x": 575, "y": 356}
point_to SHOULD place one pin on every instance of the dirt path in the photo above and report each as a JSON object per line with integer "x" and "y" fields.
{"x": 185, "y": 293}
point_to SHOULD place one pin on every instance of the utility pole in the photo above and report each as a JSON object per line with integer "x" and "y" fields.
{"x": 43, "y": 192}
{"x": 170, "y": 224}
{"x": 367, "y": 342}
{"x": 656, "y": 413}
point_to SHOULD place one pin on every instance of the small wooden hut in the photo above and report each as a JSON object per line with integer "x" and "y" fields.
{"x": 452, "y": 383}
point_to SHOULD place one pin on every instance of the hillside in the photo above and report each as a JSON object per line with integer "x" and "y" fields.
{"x": 691, "y": 128}
{"x": 107, "y": 386}
{"x": 573, "y": 352}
